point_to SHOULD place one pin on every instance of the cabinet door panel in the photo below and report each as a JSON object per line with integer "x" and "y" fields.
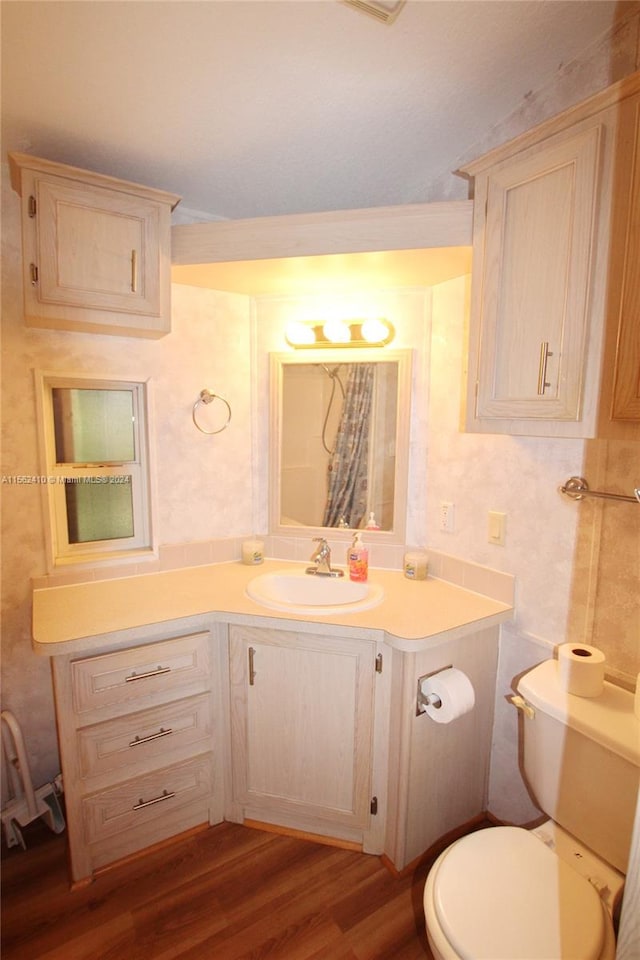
{"x": 96, "y": 249}
{"x": 302, "y": 724}
{"x": 535, "y": 304}
{"x": 150, "y": 735}
{"x": 539, "y": 235}
{"x": 135, "y": 678}
{"x": 301, "y": 746}
{"x": 147, "y": 799}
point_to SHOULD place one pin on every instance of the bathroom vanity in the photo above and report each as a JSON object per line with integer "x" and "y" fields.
{"x": 182, "y": 702}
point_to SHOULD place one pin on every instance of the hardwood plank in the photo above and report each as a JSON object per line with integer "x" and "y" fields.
{"x": 109, "y": 941}
{"x": 228, "y": 892}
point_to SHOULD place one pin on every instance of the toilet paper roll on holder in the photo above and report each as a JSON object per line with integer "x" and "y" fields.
{"x": 424, "y": 700}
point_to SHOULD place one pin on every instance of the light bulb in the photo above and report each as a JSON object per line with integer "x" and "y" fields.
{"x": 374, "y": 330}
{"x": 337, "y": 331}
{"x": 299, "y": 334}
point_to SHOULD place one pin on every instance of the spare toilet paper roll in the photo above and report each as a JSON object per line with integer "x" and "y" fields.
{"x": 581, "y": 669}
{"x": 454, "y": 691}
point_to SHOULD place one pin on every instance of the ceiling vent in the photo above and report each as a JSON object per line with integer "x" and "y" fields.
{"x": 385, "y": 11}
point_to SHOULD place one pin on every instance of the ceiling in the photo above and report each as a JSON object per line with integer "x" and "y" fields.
{"x": 249, "y": 109}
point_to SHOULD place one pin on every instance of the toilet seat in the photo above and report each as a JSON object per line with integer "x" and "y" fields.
{"x": 501, "y": 894}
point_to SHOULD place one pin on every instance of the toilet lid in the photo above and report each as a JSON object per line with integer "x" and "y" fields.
{"x": 501, "y": 894}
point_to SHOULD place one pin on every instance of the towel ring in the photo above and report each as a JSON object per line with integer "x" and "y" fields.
{"x": 206, "y": 397}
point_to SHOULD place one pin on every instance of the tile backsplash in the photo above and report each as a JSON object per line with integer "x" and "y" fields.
{"x": 472, "y": 576}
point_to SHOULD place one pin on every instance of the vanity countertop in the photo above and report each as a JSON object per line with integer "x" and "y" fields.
{"x": 413, "y": 615}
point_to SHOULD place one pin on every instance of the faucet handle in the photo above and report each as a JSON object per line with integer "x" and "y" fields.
{"x": 322, "y": 558}
{"x": 323, "y": 551}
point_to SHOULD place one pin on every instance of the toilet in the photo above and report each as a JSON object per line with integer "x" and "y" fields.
{"x": 507, "y": 893}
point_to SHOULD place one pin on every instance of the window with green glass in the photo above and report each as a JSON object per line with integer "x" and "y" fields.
{"x": 96, "y": 462}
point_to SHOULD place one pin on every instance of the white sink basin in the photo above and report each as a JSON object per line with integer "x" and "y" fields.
{"x": 298, "y": 592}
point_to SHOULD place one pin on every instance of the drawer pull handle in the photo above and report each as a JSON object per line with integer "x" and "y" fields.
{"x": 165, "y": 795}
{"x": 134, "y": 271}
{"x": 146, "y": 676}
{"x": 252, "y": 669}
{"x": 153, "y": 736}
{"x": 545, "y": 353}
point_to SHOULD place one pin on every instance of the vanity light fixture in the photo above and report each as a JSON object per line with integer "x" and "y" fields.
{"x": 371, "y": 332}
{"x": 385, "y": 11}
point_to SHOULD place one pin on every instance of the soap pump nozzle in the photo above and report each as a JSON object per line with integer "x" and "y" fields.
{"x": 371, "y": 522}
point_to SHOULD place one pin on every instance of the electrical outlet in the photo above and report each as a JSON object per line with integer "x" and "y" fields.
{"x": 447, "y": 517}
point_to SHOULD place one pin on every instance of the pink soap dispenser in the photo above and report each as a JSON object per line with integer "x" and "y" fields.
{"x": 358, "y": 560}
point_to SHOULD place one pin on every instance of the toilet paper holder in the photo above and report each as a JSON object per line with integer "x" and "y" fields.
{"x": 428, "y": 700}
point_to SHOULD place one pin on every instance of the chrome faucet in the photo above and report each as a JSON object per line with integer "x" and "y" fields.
{"x": 321, "y": 556}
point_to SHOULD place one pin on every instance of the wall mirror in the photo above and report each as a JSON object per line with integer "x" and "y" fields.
{"x": 339, "y": 442}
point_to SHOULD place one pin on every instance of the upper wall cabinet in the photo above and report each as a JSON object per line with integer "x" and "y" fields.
{"x": 554, "y": 345}
{"x": 96, "y": 250}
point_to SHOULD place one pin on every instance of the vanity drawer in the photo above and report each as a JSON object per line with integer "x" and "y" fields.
{"x": 159, "y": 672}
{"x": 143, "y": 801}
{"x": 147, "y": 735}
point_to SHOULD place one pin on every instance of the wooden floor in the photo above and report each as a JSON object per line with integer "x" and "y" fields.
{"x": 227, "y": 893}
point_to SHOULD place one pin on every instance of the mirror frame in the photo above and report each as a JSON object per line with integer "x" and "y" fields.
{"x": 401, "y": 476}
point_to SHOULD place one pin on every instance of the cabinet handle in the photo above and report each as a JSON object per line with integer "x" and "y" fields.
{"x": 165, "y": 795}
{"x": 145, "y": 676}
{"x": 153, "y": 736}
{"x": 134, "y": 271}
{"x": 252, "y": 672}
{"x": 545, "y": 353}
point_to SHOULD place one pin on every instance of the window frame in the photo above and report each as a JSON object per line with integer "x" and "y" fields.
{"x": 54, "y": 474}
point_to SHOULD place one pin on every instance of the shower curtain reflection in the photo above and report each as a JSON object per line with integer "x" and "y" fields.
{"x": 348, "y": 467}
{"x": 313, "y": 444}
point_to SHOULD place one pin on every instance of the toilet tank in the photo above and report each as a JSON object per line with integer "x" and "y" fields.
{"x": 582, "y": 760}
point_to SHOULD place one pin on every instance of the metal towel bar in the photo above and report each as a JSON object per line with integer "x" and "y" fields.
{"x": 577, "y": 488}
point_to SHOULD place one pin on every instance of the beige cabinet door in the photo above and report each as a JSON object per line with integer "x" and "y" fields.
{"x": 302, "y": 720}
{"x": 97, "y": 248}
{"x": 540, "y": 210}
{"x": 554, "y": 334}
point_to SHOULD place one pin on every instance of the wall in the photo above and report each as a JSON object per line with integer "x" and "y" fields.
{"x": 208, "y": 488}
{"x": 203, "y": 485}
{"x": 577, "y": 565}
{"x": 587, "y": 554}
{"x": 605, "y": 590}
{"x": 477, "y": 473}
{"x": 613, "y": 56}
{"x": 409, "y": 309}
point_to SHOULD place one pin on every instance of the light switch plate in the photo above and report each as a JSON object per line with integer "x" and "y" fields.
{"x": 497, "y": 527}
